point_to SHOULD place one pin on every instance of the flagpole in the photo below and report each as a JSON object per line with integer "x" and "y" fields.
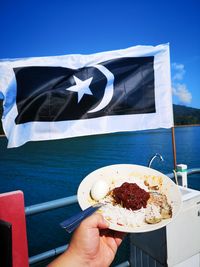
{"x": 174, "y": 147}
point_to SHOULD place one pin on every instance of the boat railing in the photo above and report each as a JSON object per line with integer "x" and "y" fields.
{"x": 63, "y": 202}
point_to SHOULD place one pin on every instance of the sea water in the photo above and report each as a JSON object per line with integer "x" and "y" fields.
{"x": 48, "y": 170}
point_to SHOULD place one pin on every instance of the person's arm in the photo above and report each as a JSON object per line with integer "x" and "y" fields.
{"x": 92, "y": 244}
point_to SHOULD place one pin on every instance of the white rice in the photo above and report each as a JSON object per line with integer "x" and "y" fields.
{"x": 116, "y": 214}
{"x": 122, "y": 216}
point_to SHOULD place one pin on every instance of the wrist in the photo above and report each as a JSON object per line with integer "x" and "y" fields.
{"x": 76, "y": 258}
{"x": 69, "y": 258}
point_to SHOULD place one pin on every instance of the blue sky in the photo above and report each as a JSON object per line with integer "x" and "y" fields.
{"x": 47, "y": 28}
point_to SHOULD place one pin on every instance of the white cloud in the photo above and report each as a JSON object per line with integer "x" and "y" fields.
{"x": 180, "y": 90}
{"x": 179, "y": 71}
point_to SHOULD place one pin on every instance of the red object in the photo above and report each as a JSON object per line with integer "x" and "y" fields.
{"x": 12, "y": 211}
{"x": 131, "y": 196}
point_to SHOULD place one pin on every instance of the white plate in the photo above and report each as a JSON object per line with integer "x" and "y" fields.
{"x": 113, "y": 173}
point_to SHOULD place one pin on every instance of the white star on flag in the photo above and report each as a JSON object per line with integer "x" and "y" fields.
{"x": 81, "y": 87}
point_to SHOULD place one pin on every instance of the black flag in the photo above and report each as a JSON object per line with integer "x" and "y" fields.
{"x": 50, "y": 94}
{"x": 58, "y": 97}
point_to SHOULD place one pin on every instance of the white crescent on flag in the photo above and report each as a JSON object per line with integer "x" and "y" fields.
{"x": 108, "y": 93}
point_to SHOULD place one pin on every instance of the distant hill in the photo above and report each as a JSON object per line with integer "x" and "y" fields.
{"x": 182, "y": 115}
{"x": 186, "y": 115}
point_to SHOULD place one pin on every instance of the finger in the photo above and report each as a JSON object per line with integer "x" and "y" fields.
{"x": 95, "y": 221}
{"x": 119, "y": 236}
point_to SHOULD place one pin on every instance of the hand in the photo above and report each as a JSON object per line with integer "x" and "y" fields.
{"x": 92, "y": 244}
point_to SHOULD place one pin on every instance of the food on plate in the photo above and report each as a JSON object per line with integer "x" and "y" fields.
{"x": 158, "y": 208}
{"x": 160, "y": 200}
{"x": 152, "y": 214}
{"x": 123, "y": 219}
{"x": 99, "y": 190}
{"x": 132, "y": 203}
{"x": 130, "y": 196}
